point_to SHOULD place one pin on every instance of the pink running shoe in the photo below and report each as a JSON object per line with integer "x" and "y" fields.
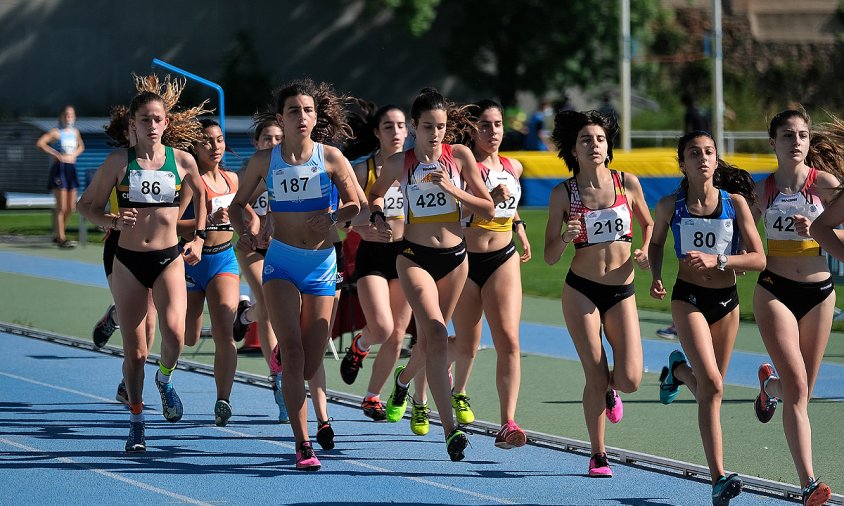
{"x": 599, "y": 467}
{"x": 306, "y": 460}
{"x": 510, "y": 436}
{"x": 275, "y": 361}
{"x": 615, "y": 409}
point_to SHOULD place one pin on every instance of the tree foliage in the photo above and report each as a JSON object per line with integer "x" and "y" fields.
{"x": 528, "y": 45}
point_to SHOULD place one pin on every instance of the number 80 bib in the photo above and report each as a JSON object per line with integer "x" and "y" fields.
{"x": 706, "y": 235}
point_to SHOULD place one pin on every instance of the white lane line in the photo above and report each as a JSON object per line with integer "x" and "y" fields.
{"x": 276, "y": 443}
{"x": 381, "y": 470}
{"x": 107, "y": 474}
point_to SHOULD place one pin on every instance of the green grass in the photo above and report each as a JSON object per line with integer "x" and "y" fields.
{"x": 39, "y": 222}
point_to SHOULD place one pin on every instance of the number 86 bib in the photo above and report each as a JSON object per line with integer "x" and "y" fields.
{"x": 152, "y": 186}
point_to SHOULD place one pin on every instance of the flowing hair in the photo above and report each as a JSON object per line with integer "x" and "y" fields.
{"x": 459, "y": 121}
{"x": 726, "y": 177}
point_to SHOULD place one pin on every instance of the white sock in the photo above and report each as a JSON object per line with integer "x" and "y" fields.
{"x": 161, "y": 377}
{"x": 372, "y": 395}
{"x": 136, "y": 418}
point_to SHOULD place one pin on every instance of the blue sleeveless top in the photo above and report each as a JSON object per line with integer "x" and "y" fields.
{"x": 299, "y": 188}
{"x": 715, "y": 234}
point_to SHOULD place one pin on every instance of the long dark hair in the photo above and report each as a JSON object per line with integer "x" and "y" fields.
{"x": 459, "y": 122}
{"x": 726, "y": 177}
{"x": 475, "y": 110}
{"x": 331, "y": 126}
{"x": 567, "y": 124}
{"x": 826, "y": 144}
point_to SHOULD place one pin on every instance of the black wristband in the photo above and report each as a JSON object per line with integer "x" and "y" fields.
{"x": 377, "y": 213}
{"x": 202, "y": 234}
{"x": 516, "y": 223}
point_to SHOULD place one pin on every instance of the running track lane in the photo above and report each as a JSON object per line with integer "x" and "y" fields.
{"x": 62, "y": 437}
{"x": 534, "y": 338}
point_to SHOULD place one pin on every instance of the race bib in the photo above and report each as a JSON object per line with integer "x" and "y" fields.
{"x": 507, "y": 208}
{"x": 606, "y": 225}
{"x": 152, "y": 186}
{"x": 261, "y": 205}
{"x": 394, "y": 203}
{"x": 429, "y": 199}
{"x": 706, "y": 235}
{"x": 779, "y": 221}
{"x": 296, "y": 183}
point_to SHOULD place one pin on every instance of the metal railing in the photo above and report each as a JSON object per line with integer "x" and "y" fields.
{"x": 730, "y": 137}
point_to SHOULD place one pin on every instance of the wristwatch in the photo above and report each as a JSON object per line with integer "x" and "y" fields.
{"x": 722, "y": 262}
{"x": 202, "y": 234}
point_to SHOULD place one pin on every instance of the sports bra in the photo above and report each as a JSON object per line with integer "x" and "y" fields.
{"x": 598, "y": 226}
{"x": 714, "y": 234}
{"x": 425, "y": 201}
{"x": 780, "y": 232}
{"x": 299, "y": 188}
{"x": 504, "y": 211}
{"x": 150, "y": 188}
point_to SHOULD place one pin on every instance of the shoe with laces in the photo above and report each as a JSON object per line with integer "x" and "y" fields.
{"x": 510, "y": 436}
{"x": 725, "y": 488}
{"x": 456, "y": 442}
{"x": 397, "y": 403}
{"x": 599, "y": 466}
{"x": 373, "y": 408}
{"x": 765, "y": 405}
{"x": 222, "y": 412}
{"x": 136, "y": 442}
{"x": 669, "y": 386}
{"x": 104, "y": 328}
{"x": 122, "y": 396}
{"x": 171, "y": 404}
{"x": 816, "y": 493}
{"x": 283, "y": 417}
{"x": 325, "y": 435}
{"x": 353, "y": 361}
{"x": 238, "y": 326}
{"x": 462, "y": 409}
{"x": 669, "y": 332}
{"x": 306, "y": 459}
{"x": 615, "y": 408}
{"x": 420, "y": 422}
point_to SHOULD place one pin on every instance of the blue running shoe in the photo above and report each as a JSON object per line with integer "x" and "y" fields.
{"x": 136, "y": 442}
{"x": 171, "y": 405}
{"x": 725, "y": 489}
{"x": 669, "y": 386}
{"x": 283, "y": 417}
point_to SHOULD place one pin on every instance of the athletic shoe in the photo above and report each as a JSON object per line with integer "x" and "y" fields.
{"x": 222, "y": 413}
{"x": 510, "y": 436}
{"x": 136, "y": 442}
{"x": 816, "y": 493}
{"x": 456, "y": 442}
{"x": 725, "y": 489}
{"x": 419, "y": 420}
{"x": 105, "y": 327}
{"x": 353, "y": 361}
{"x": 373, "y": 408}
{"x": 306, "y": 460}
{"x": 325, "y": 435}
{"x": 122, "y": 395}
{"x": 238, "y": 326}
{"x": 669, "y": 386}
{"x": 283, "y": 417}
{"x": 171, "y": 405}
{"x": 615, "y": 408}
{"x": 397, "y": 403}
{"x": 599, "y": 467}
{"x": 67, "y": 244}
{"x": 765, "y": 405}
{"x": 462, "y": 409}
{"x": 669, "y": 332}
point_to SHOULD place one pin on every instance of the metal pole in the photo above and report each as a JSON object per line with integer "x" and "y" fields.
{"x": 625, "y": 75}
{"x": 201, "y": 80}
{"x": 717, "y": 75}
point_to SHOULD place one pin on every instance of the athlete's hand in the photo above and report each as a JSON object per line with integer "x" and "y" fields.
{"x": 320, "y": 222}
{"x": 221, "y": 215}
{"x": 641, "y": 258}
{"x": 802, "y": 224}
{"x": 701, "y": 261}
{"x": 573, "y": 228}
{"x": 192, "y": 252}
{"x": 382, "y": 227}
{"x": 128, "y": 218}
{"x": 525, "y": 252}
{"x": 246, "y": 242}
{"x": 499, "y": 194}
{"x": 443, "y": 180}
{"x": 657, "y": 290}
